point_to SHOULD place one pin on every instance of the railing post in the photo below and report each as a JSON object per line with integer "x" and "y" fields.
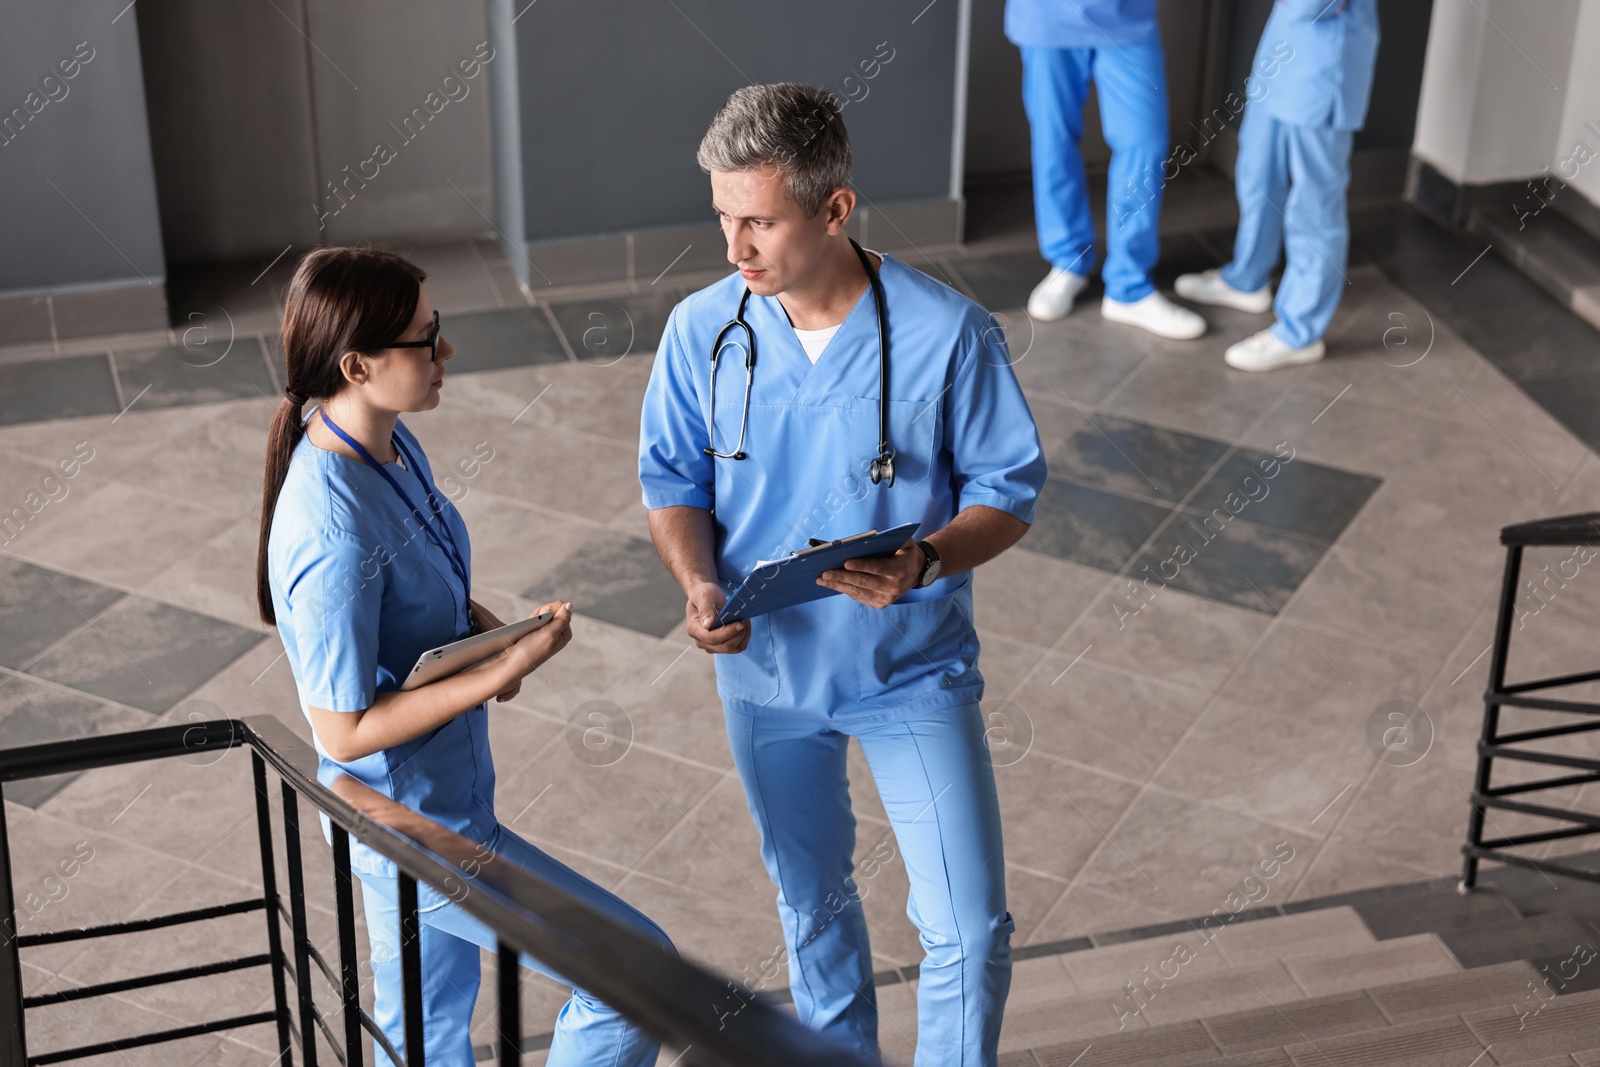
{"x": 297, "y": 909}
{"x": 508, "y": 982}
{"x": 1491, "y": 710}
{"x": 13, "y": 1035}
{"x": 349, "y": 979}
{"x": 411, "y": 971}
{"x": 269, "y": 891}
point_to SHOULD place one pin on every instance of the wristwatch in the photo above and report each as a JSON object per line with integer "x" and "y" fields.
{"x": 930, "y": 564}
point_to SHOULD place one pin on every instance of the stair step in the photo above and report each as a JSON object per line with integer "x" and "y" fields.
{"x": 1311, "y": 933}
{"x": 1291, "y": 936}
{"x": 1156, "y": 1046}
{"x": 1450, "y": 994}
{"x": 1547, "y": 934}
{"x": 1416, "y": 956}
{"x": 1435, "y": 1043}
{"x": 1587, "y": 1058}
{"x": 1426, "y": 907}
{"x": 1562, "y": 1025}
{"x": 1264, "y": 1028}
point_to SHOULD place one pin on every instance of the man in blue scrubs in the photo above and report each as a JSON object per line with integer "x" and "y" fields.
{"x": 1117, "y": 43}
{"x": 892, "y": 661}
{"x": 1291, "y": 176}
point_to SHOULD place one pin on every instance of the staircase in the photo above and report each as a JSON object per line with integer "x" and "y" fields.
{"x": 1412, "y": 976}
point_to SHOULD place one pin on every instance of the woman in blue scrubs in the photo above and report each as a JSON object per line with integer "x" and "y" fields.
{"x": 363, "y": 565}
{"x": 892, "y": 661}
{"x": 1291, "y": 175}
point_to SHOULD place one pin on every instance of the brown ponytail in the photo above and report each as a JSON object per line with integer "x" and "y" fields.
{"x": 339, "y": 300}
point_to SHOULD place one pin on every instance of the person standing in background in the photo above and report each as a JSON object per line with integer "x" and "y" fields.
{"x": 1291, "y": 176}
{"x": 1064, "y": 44}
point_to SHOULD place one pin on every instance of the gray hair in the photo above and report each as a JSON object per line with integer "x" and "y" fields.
{"x": 797, "y": 127}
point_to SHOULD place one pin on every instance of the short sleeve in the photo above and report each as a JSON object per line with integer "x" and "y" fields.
{"x": 672, "y": 431}
{"x": 996, "y": 458}
{"x": 334, "y": 591}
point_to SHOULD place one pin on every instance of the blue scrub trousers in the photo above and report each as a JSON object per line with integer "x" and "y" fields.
{"x": 1132, "y": 85}
{"x": 1291, "y": 182}
{"x": 586, "y": 1031}
{"x": 937, "y": 785}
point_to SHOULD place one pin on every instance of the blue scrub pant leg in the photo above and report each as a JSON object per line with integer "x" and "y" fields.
{"x": 937, "y": 786}
{"x": 586, "y": 1030}
{"x": 1291, "y": 184}
{"x": 1131, "y": 81}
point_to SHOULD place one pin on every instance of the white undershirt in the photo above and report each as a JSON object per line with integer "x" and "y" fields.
{"x": 814, "y": 341}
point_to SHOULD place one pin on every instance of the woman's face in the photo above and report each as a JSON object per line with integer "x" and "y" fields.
{"x": 407, "y": 379}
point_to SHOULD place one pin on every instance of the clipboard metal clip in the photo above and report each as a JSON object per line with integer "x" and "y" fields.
{"x": 815, "y": 543}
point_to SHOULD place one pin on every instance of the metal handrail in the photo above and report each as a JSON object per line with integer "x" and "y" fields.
{"x": 715, "y": 1020}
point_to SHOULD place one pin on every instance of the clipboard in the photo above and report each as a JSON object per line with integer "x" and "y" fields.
{"x": 783, "y": 583}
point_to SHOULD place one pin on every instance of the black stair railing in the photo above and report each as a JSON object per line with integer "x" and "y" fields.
{"x": 1494, "y": 744}
{"x": 684, "y": 1005}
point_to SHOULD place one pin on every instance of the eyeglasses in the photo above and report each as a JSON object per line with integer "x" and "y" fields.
{"x": 431, "y": 343}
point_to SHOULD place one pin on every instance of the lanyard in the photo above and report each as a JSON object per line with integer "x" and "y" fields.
{"x": 452, "y": 553}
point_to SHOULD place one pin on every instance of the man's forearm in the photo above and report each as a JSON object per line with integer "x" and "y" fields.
{"x": 683, "y": 539}
{"x": 976, "y": 535}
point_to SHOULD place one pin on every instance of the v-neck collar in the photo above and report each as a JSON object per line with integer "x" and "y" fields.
{"x": 805, "y": 366}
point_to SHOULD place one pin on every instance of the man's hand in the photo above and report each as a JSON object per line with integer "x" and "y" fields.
{"x": 877, "y": 583}
{"x": 705, "y": 600}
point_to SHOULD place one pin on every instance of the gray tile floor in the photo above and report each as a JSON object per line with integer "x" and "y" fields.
{"x": 1157, "y": 736}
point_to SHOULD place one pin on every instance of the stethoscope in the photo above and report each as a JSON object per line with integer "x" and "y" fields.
{"x": 883, "y": 466}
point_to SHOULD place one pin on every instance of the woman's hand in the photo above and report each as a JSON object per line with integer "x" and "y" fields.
{"x": 705, "y": 600}
{"x": 528, "y": 654}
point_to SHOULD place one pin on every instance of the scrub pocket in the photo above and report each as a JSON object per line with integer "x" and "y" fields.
{"x": 916, "y": 428}
{"x": 751, "y": 676}
{"x": 911, "y": 639}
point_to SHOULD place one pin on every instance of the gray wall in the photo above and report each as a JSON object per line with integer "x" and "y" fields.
{"x": 76, "y": 178}
{"x": 615, "y": 95}
{"x": 256, "y": 109}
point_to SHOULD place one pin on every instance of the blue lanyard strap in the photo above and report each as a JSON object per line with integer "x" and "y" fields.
{"x": 452, "y": 552}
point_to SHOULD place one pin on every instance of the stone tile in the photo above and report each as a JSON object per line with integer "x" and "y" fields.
{"x": 602, "y": 331}
{"x": 214, "y": 461}
{"x": 592, "y": 397}
{"x": 1001, "y": 282}
{"x": 1081, "y": 912}
{"x": 1172, "y": 853}
{"x": 1236, "y": 757}
{"x": 515, "y": 544}
{"x": 1318, "y": 673}
{"x": 510, "y": 337}
{"x": 1345, "y": 864}
{"x": 117, "y": 534}
{"x": 218, "y": 578}
{"x": 57, "y": 389}
{"x": 1262, "y": 1027}
{"x": 1093, "y": 715}
{"x": 1257, "y": 990}
{"x": 670, "y": 697}
{"x": 1005, "y": 663}
{"x": 1055, "y": 814}
{"x": 1176, "y": 637}
{"x": 1066, "y": 363}
{"x": 458, "y": 280}
{"x": 597, "y": 657}
{"x": 617, "y": 579}
{"x": 32, "y": 713}
{"x": 1196, "y": 392}
{"x": 1006, "y": 592}
{"x": 207, "y": 367}
{"x": 723, "y": 938}
{"x": 39, "y": 607}
{"x": 615, "y": 812}
{"x": 145, "y": 654}
{"x": 1091, "y": 526}
{"x": 717, "y": 851}
{"x": 1300, "y": 497}
{"x": 1238, "y": 562}
{"x": 1134, "y": 458}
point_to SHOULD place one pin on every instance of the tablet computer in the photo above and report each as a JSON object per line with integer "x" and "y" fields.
{"x": 446, "y": 660}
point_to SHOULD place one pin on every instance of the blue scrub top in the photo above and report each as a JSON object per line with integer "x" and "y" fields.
{"x": 962, "y": 433}
{"x": 1081, "y": 23}
{"x": 360, "y": 591}
{"x": 1321, "y": 55}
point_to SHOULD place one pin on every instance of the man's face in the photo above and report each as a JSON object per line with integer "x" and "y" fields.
{"x": 770, "y": 240}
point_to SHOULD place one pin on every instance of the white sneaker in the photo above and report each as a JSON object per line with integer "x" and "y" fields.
{"x": 1157, "y": 314}
{"x": 1053, "y": 297}
{"x": 1263, "y": 351}
{"x": 1208, "y": 287}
